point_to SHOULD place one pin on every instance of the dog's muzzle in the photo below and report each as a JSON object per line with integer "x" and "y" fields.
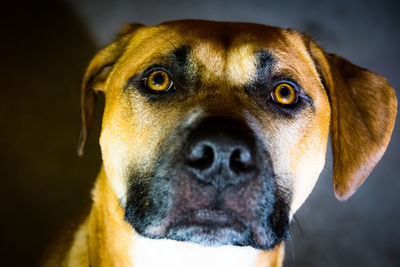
{"x": 218, "y": 188}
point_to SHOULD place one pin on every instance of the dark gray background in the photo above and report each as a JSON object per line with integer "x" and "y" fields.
{"x": 45, "y": 48}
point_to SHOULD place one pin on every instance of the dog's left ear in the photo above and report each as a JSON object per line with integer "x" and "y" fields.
{"x": 96, "y": 76}
{"x": 363, "y": 110}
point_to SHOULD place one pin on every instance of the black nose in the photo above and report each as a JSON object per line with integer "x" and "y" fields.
{"x": 222, "y": 152}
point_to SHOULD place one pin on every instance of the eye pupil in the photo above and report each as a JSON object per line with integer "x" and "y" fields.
{"x": 158, "y": 79}
{"x": 284, "y": 92}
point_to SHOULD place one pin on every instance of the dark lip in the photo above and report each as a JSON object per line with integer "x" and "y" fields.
{"x": 210, "y": 218}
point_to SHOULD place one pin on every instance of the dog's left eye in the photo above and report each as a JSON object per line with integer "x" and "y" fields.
{"x": 158, "y": 81}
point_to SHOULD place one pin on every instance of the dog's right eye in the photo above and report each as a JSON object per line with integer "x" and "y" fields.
{"x": 158, "y": 81}
{"x": 284, "y": 94}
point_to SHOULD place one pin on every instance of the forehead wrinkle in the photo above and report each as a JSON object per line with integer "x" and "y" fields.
{"x": 232, "y": 65}
{"x": 160, "y": 38}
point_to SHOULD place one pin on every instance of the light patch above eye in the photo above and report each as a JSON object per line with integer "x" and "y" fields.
{"x": 284, "y": 94}
{"x": 241, "y": 64}
{"x": 158, "y": 81}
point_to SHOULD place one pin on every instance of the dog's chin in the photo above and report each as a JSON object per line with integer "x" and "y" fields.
{"x": 213, "y": 228}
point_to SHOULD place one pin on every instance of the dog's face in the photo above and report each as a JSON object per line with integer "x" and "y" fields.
{"x": 216, "y": 133}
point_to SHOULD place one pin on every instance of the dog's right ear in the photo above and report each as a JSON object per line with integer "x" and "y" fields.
{"x": 363, "y": 109}
{"x": 96, "y": 76}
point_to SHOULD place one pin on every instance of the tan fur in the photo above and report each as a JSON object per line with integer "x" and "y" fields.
{"x": 133, "y": 129}
{"x": 273, "y": 258}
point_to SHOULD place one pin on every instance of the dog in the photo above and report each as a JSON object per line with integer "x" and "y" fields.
{"x": 213, "y": 135}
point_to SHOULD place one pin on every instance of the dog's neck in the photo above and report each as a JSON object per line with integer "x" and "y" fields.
{"x": 113, "y": 242}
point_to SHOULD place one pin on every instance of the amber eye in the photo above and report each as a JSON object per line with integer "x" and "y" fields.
{"x": 158, "y": 81}
{"x": 284, "y": 94}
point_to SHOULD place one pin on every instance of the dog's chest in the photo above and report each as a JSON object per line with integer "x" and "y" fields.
{"x": 154, "y": 253}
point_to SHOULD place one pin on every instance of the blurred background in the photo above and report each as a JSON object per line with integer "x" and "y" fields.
{"x": 45, "y": 48}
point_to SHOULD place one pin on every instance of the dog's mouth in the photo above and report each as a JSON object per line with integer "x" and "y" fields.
{"x": 209, "y": 218}
{"x": 252, "y": 214}
{"x": 211, "y": 227}
{"x": 246, "y": 215}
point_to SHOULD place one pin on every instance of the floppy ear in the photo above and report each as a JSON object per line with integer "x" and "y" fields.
{"x": 96, "y": 76}
{"x": 363, "y": 108}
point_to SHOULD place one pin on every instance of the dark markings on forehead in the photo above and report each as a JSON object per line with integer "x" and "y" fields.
{"x": 262, "y": 78}
{"x": 180, "y": 56}
{"x": 184, "y": 70}
{"x": 264, "y": 59}
{"x": 264, "y": 65}
{"x": 181, "y": 64}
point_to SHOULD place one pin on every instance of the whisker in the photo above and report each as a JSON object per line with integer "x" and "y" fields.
{"x": 292, "y": 247}
{"x": 328, "y": 169}
{"x": 296, "y": 222}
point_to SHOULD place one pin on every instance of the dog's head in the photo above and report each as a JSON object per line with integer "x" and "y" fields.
{"x": 216, "y": 133}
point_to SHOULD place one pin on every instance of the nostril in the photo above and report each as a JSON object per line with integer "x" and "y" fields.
{"x": 240, "y": 160}
{"x": 201, "y": 156}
